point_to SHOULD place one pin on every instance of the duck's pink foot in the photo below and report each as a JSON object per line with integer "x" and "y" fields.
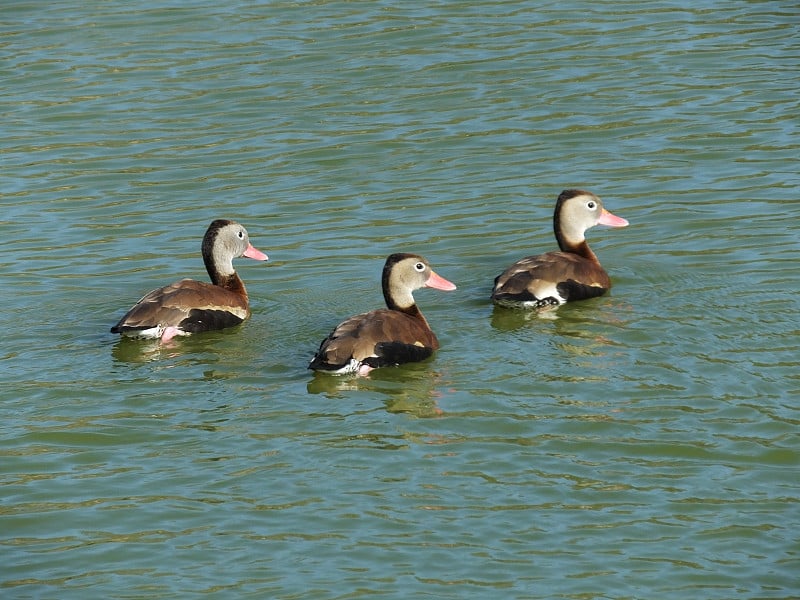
{"x": 364, "y": 370}
{"x": 169, "y": 333}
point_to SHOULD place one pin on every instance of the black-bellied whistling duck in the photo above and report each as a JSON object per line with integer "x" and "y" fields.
{"x": 190, "y": 306}
{"x": 389, "y": 336}
{"x": 574, "y": 273}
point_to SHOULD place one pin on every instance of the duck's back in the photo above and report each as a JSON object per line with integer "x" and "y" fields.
{"x": 378, "y": 338}
{"x": 550, "y": 279}
{"x": 189, "y": 305}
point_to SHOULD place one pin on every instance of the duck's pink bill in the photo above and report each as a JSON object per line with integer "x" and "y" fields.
{"x": 439, "y": 283}
{"x": 606, "y": 218}
{"x": 254, "y": 254}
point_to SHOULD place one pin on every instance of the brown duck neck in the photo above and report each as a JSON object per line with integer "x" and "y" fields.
{"x": 400, "y": 300}
{"x": 231, "y": 282}
{"x": 575, "y": 245}
{"x": 224, "y": 275}
{"x": 404, "y": 305}
{"x": 412, "y": 311}
{"x": 581, "y": 249}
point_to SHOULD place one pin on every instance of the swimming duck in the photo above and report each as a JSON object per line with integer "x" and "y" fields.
{"x": 573, "y": 273}
{"x": 188, "y": 306}
{"x": 389, "y": 336}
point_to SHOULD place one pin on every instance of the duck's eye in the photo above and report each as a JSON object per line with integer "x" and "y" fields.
{"x": 591, "y": 204}
{"x": 419, "y": 267}
{"x": 241, "y": 234}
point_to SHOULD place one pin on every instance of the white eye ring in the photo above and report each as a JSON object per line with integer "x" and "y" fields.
{"x": 241, "y": 234}
{"x": 591, "y": 204}
{"x": 419, "y": 267}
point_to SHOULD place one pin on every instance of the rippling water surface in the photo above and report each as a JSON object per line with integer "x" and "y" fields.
{"x": 640, "y": 445}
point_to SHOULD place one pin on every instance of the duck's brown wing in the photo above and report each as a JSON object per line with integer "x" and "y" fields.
{"x": 551, "y": 278}
{"x": 378, "y": 338}
{"x": 191, "y": 306}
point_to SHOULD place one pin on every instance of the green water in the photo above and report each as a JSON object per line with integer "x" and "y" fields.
{"x": 640, "y": 445}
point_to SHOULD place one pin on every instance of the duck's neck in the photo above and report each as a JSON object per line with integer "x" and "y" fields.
{"x": 223, "y": 274}
{"x": 400, "y": 298}
{"x": 412, "y": 311}
{"x": 232, "y": 283}
{"x": 581, "y": 249}
{"x": 397, "y": 299}
{"x": 572, "y": 240}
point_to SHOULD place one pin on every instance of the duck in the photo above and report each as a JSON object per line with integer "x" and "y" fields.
{"x": 389, "y": 336}
{"x": 189, "y": 306}
{"x": 574, "y": 273}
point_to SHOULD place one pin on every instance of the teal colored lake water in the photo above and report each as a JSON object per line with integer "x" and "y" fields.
{"x": 640, "y": 445}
